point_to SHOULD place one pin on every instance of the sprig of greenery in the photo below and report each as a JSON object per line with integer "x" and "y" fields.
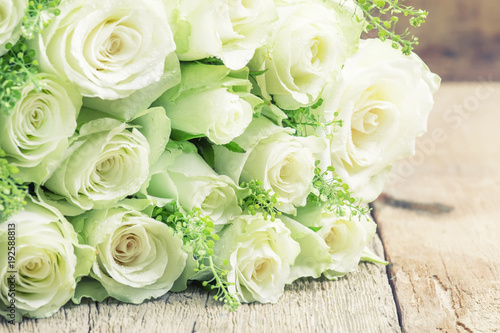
{"x": 304, "y": 120}
{"x": 18, "y": 66}
{"x": 329, "y": 191}
{"x": 259, "y": 199}
{"x": 199, "y": 237}
{"x": 17, "y": 71}
{"x": 375, "y": 9}
{"x": 12, "y": 192}
{"x": 38, "y": 15}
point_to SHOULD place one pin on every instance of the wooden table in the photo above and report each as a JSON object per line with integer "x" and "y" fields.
{"x": 439, "y": 222}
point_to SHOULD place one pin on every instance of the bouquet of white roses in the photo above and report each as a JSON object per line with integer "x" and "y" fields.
{"x": 146, "y": 144}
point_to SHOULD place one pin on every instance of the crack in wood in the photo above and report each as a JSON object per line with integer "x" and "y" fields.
{"x": 464, "y": 327}
{"x": 206, "y": 301}
{"x": 430, "y": 208}
{"x": 449, "y": 303}
{"x": 90, "y": 320}
{"x": 388, "y": 269}
{"x": 443, "y": 294}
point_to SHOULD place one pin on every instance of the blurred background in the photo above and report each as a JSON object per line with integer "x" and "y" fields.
{"x": 460, "y": 40}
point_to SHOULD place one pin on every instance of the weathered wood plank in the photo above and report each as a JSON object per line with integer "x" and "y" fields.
{"x": 460, "y": 39}
{"x": 439, "y": 218}
{"x": 360, "y": 302}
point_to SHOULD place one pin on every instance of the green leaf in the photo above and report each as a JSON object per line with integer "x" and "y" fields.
{"x": 258, "y": 73}
{"x": 206, "y": 150}
{"x": 234, "y": 147}
{"x": 211, "y": 61}
{"x": 184, "y": 136}
{"x": 315, "y": 229}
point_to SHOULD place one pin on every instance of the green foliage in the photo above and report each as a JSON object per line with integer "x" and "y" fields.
{"x": 259, "y": 200}
{"x": 197, "y": 233}
{"x": 211, "y": 61}
{"x": 333, "y": 194}
{"x": 38, "y": 15}
{"x": 12, "y": 192}
{"x": 305, "y": 121}
{"x": 18, "y": 67}
{"x": 17, "y": 71}
{"x": 381, "y": 15}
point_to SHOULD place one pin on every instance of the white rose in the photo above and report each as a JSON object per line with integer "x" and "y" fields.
{"x": 47, "y": 259}
{"x": 138, "y": 257}
{"x": 217, "y": 98}
{"x": 227, "y": 29}
{"x": 284, "y": 163}
{"x": 11, "y": 15}
{"x": 260, "y": 254}
{"x": 383, "y": 102}
{"x": 314, "y": 257}
{"x": 127, "y": 108}
{"x": 107, "y": 161}
{"x": 186, "y": 178}
{"x": 346, "y": 237}
{"x": 36, "y": 132}
{"x": 108, "y": 48}
{"x": 311, "y": 44}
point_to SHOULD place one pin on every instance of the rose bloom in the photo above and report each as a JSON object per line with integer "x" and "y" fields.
{"x": 383, "y": 100}
{"x": 36, "y": 132}
{"x": 110, "y": 48}
{"x": 284, "y": 163}
{"x": 314, "y": 257}
{"x": 230, "y": 30}
{"x": 11, "y": 15}
{"x": 49, "y": 261}
{"x": 260, "y": 255}
{"x": 217, "y": 98}
{"x": 138, "y": 257}
{"x": 312, "y": 41}
{"x": 343, "y": 238}
{"x": 185, "y": 177}
{"x": 107, "y": 161}
{"x": 346, "y": 238}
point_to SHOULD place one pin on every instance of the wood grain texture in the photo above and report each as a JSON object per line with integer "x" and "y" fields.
{"x": 439, "y": 218}
{"x": 360, "y": 302}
